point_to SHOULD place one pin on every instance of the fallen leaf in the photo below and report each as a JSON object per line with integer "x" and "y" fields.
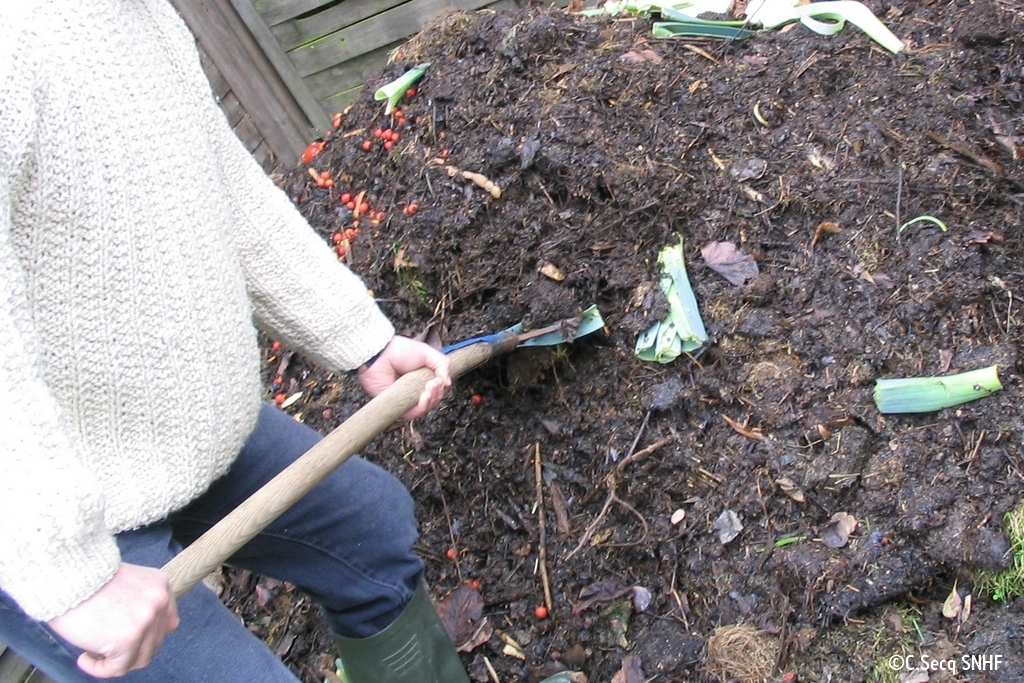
{"x": 483, "y": 634}
{"x": 824, "y": 227}
{"x": 725, "y": 259}
{"x": 743, "y": 430}
{"x": 965, "y": 612}
{"x": 790, "y": 488}
{"x": 836, "y": 533}
{"x": 648, "y": 55}
{"x": 953, "y": 604}
{"x": 750, "y": 168}
{"x": 561, "y": 509}
{"x": 552, "y": 271}
{"x": 914, "y": 676}
{"x": 600, "y": 594}
{"x": 460, "y": 612}
{"x": 728, "y": 526}
{"x": 631, "y": 672}
{"x": 642, "y": 599}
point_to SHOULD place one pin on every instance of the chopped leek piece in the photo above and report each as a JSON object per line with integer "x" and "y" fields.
{"x": 926, "y": 394}
{"x": 393, "y": 91}
{"x": 683, "y": 330}
{"x": 930, "y": 219}
{"x": 699, "y": 29}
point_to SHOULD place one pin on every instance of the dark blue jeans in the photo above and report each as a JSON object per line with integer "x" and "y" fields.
{"x": 348, "y": 544}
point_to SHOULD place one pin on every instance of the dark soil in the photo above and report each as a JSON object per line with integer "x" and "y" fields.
{"x": 602, "y": 162}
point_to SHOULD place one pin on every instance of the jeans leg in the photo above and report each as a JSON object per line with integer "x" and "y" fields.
{"x": 347, "y": 543}
{"x": 211, "y": 644}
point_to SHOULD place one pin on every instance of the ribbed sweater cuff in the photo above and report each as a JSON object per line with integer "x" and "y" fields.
{"x": 48, "y": 586}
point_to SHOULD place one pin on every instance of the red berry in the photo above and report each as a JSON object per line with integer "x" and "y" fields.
{"x": 388, "y": 144}
{"x": 541, "y": 612}
{"x": 378, "y": 133}
{"x": 367, "y": 145}
{"x": 279, "y": 398}
{"x": 275, "y": 346}
{"x": 477, "y": 399}
{"x": 450, "y": 553}
{"x": 474, "y": 584}
{"x": 337, "y": 237}
{"x": 345, "y": 197}
{"x": 410, "y": 93}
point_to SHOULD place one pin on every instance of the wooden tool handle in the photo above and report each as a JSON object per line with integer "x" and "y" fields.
{"x": 239, "y": 526}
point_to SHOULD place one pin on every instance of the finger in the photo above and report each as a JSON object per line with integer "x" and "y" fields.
{"x": 103, "y": 667}
{"x": 441, "y": 365}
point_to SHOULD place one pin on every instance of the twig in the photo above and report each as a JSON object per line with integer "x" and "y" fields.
{"x": 542, "y": 551}
{"x": 633, "y": 457}
{"x": 611, "y": 498}
{"x": 899, "y": 200}
{"x": 448, "y": 518}
{"x": 491, "y": 671}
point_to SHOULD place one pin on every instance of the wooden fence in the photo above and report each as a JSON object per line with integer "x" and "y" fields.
{"x": 281, "y": 68}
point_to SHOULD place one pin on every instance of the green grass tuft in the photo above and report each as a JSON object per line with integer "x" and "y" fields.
{"x": 1008, "y": 584}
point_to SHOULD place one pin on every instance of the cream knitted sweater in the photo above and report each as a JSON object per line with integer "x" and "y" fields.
{"x": 139, "y": 241}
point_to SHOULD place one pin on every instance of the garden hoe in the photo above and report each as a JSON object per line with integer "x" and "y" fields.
{"x": 415, "y": 648}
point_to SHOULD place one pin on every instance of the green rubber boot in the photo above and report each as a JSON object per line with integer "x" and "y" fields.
{"x": 414, "y": 649}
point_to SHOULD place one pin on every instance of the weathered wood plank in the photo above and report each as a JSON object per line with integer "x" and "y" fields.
{"x": 227, "y": 48}
{"x": 276, "y": 11}
{"x": 297, "y": 32}
{"x": 13, "y": 669}
{"x": 282, "y": 64}
{"x": 394, "y": 25}
{"x": 37, "y": 676}
{"x": 232, "y": 108}
{"x": 218, "y": 83}
{"x": 352, "y": 73}
{"x": 250, "y": 136}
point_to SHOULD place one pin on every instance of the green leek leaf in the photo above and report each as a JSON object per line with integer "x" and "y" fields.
{"x": 683, "y": 330}
{"x": 927, "y": 394}
{"x": 701, "y": 29}
{"x": 393, "y": 91}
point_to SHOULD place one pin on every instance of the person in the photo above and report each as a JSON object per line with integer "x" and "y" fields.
{"x": 142, "y": 248}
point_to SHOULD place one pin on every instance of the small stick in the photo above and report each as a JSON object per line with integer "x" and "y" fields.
{"x": 491, "y": 671}
{"x": 448, "y": 518}
{"x": 899, "y": 200}
{"x": 542, "y": 551}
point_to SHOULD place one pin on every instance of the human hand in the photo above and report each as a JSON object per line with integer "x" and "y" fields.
{"x": 122, "y": 626}
{"x": 401, "y": 356}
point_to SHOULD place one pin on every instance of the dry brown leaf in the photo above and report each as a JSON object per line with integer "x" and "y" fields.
{"x": 461, "y": 612}
{"x": 790, "y": 488}
{"x": 552, "y": 271}
{"x": 836, "y": 533}
{"x": 631, "y": 672}
{"x": 728, "y": 526}
{"x": 953, "y": 604}
{"x": 600, "y": 594}
{"x": 728, "y": 261}
{"x": 743, "y": 430}
{"x": 825, "y": 227}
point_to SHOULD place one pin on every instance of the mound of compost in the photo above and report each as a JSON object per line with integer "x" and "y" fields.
{"x": 754, "y": 481}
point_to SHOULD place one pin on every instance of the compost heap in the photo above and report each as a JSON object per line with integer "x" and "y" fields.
{"x": 752, "y": 482}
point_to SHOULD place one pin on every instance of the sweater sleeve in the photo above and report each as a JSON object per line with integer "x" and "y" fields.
{"x": 300, "y": 291}
{"x": 55, "y": 550}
